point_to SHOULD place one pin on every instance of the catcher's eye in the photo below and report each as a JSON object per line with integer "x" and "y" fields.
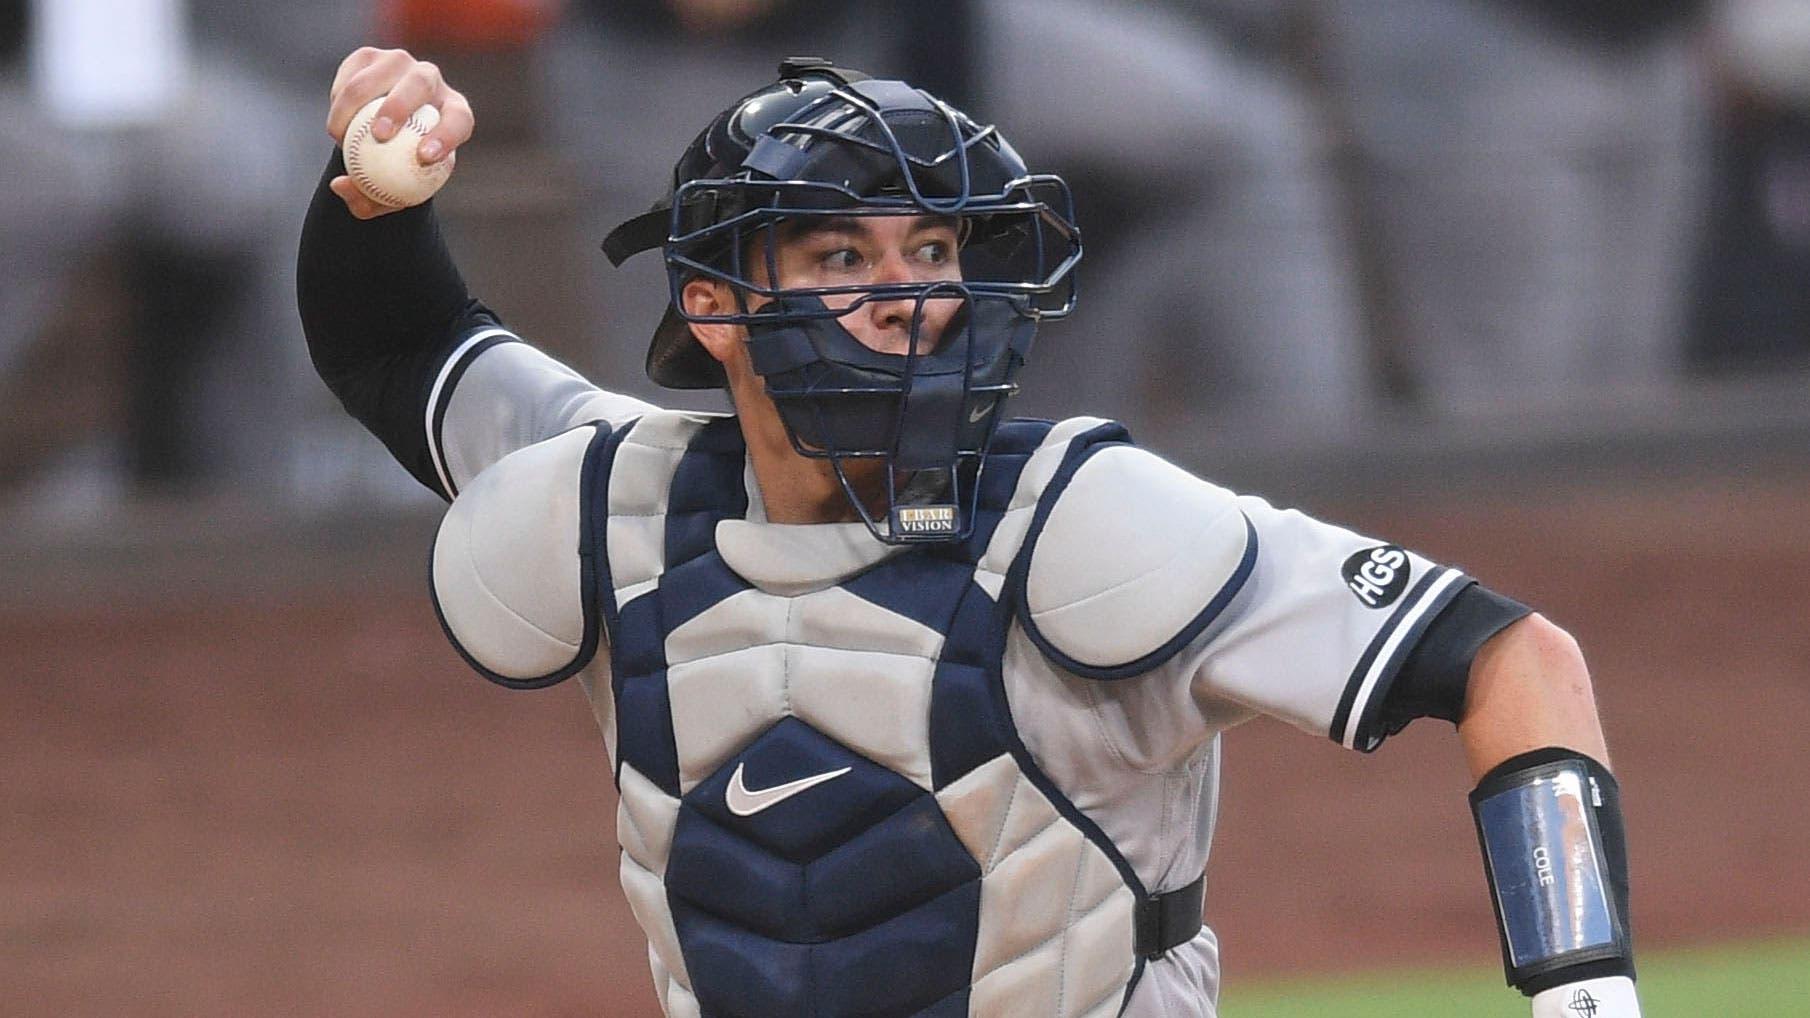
{"x": 935, "y": 252}
{"x": 842, "y": 259}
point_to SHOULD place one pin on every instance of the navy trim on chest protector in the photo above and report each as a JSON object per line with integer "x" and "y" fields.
{"x": 705, "y": 488}
{"x": 803, "y": 876}
{"x": 933, "y": 586}
{"x": 1086, "y": 446}
{"x": 854, "y": 897}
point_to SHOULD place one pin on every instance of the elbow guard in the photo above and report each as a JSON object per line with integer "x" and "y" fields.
{"x": 1555, "y": 854}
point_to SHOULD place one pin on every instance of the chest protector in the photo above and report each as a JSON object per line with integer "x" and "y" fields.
{"x": 825, "y": 807}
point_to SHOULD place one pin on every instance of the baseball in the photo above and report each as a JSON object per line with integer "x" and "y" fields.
{"x": 388, "y": 172}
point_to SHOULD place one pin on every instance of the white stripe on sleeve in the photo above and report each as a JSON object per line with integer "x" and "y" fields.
{"x": 1385, "y": 655}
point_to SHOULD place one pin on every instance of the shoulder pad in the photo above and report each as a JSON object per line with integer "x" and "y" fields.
{"x": 509, "y": 575}
{"x": 1134, "y": 558}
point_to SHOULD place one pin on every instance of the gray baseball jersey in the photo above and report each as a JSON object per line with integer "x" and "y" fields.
{"x": 1154, "y": 611}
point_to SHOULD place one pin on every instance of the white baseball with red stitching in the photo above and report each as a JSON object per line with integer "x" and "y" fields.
{"x": 1611, "y": 997}
{"x": 389, "y": 172}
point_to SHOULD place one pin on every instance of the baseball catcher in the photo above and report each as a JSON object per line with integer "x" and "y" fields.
{"x": 914, "y": 707}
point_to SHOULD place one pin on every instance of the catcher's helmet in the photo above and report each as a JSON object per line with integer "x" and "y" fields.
{"x": 828, "y": 142}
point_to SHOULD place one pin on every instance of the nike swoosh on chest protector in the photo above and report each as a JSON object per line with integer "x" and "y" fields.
{"x": 744, "y": 802}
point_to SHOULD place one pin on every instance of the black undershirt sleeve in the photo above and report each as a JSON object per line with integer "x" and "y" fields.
{"x": 382, "y": 306}
{"x": 1433, "y": 679}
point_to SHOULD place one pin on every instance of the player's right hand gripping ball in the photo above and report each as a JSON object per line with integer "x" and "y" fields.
{"x": 389, "y": 172}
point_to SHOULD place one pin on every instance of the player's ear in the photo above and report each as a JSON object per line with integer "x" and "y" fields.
{"x": 712, "y": 297}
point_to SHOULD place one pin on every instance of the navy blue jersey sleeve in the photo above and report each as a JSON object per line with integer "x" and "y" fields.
{"x": 1436, "y": 674}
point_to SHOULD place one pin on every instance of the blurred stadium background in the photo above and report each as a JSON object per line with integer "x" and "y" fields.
{"x": 1524, "y": 283}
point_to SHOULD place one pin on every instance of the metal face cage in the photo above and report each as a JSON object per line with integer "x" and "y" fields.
{"x": 825, "y": 143}
{"x": 881, "y": 148}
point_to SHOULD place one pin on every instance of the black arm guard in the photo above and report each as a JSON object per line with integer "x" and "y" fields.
{"x": 1555, "y": 853}
{"x": 383, "y": 306}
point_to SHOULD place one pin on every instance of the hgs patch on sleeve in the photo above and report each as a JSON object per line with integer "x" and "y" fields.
{"x": 1377, "y": 575}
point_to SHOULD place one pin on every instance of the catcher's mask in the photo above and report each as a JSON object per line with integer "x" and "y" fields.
{"x": 829, "y": 143}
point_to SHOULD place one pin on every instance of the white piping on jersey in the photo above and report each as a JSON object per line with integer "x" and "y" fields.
{"x": 433, "y": 400}
{"x": 1387, "y": 651}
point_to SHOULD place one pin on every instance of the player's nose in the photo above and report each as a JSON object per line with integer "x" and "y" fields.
{"x": 892, "y": 318}
{"x": 895, "y": 323}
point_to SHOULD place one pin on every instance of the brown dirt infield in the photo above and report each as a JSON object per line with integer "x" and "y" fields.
{"x": 241, "y": 800}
